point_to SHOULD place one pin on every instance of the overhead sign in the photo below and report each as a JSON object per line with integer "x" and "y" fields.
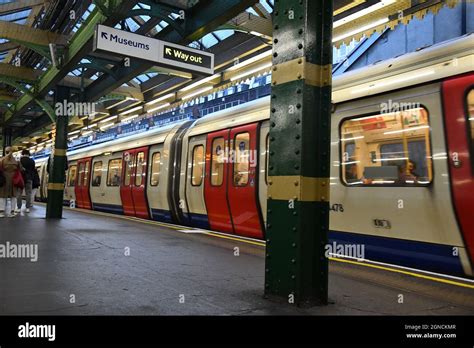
{"x": 160, "y": 52}
{"x": 186, "y": 58}
{"x": 125, "y": 43}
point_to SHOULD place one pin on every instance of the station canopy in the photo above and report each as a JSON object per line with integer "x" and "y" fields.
{"x": 45, "y": 43}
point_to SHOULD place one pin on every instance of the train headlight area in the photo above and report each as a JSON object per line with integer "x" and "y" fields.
{"x": 237, "y": 158}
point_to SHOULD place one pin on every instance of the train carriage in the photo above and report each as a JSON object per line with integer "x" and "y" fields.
{"x": 401, "y": 177}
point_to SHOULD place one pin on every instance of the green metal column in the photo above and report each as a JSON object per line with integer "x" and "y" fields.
{"x": 7, "y": 139}
{"x": 298, "y": 192}
{"x": 57, "y": 169}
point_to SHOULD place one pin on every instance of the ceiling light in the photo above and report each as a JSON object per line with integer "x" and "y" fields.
{"x": 159, "y": 107}
{"x": 249, "y": 72}
{"x": 129, "y": 118}
{"x": 406, "y": 130}
{"x": 108, "y": 125}
{"x": 361, "y": 29}
{"x": 202, "y": 90}
{"x": 250, "y": 60}
{"x": 108, "y": 119}
{"x": 131, "y": 110}
{"x": 200, "y": 82}
{"x": 160, "y": 99}
{"x": 363, "y": 12}
{"x": 75, "y": 132}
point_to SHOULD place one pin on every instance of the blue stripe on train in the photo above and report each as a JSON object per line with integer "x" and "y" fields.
{"x": 199, "y": 221}
{"x": 162, "y": 215}
{"x": 427, "y": 256}
{"x": 108, "y": 208}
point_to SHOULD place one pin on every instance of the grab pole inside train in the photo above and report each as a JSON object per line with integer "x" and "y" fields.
{"x": 58, "y": 160}
{"x": 296, "y": 268}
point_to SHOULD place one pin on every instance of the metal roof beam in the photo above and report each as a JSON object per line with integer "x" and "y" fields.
{"x": 19, "y": 73}
{"x": 19, "y": 5}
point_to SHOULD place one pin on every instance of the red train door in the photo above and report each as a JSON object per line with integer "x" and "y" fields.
{"x": 458, "y": 98}
{"x": 242, "y": 182}
{"x": 81, "y": 189}
{"x": 215, "y": 185}
{"x": 133, "y": 186}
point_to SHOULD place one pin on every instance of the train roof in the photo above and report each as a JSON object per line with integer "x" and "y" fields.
{"x": 452, "y": 57}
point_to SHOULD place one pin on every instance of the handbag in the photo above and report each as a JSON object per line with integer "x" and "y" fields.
{"x": 18, "y": 181}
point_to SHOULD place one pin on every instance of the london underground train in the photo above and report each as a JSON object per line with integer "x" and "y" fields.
{"x": 402, "y": 171}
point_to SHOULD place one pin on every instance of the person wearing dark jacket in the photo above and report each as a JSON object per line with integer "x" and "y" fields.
{"x": 29, "y": 169}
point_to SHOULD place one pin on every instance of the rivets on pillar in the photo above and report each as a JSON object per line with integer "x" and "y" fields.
{"x": 295, "y": 213}
{"x": 298, "y": 106}
{"x": 297, "y": 152}
{"x": 273, "y": 110}
{"x": 276, "y": 27}
{"x": 298, "y": 121}
{"x": 293, "y": 261}
{"x": 275, "y": 41}
{"x": 294, "y": 229}
{"x": 300, "y": 46}
{"x": 297, "y": 166}
{"x": 296, "y": 183}
{"x": 275, "y": 54}
{"x": 293, "y": 276}
{"x": 293, "y": 245}
{"x": 297, "y": 136}
{"x": 298, "y": 91}
{"x": 269, "y": 211}
{"x": 299, "y": 76}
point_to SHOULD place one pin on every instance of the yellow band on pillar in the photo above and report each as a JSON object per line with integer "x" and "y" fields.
{"x": 55, "y": 186}
{"x": 60, "y": 152}
{"x": 299, "y": 188}
{"x": 299, "y": 69}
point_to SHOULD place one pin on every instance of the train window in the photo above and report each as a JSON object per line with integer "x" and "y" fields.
{"x": 387, "y": 149}
{"x": 97, "y": 174}
{"x": 72, "y": 176}
{"x": 198, "y": 165}
{"x": 81, "y": 174}
{"x": 141, "y": 169}
{"x": 470, "y": 118}
{"x": 86, "y": 174}
{"x": 114, "y": 172}
{"x": 155, "y": 169}
{"x": 129, "y": 163}
{"x": 217, "y": 162}
{"x": 241, "y": 160}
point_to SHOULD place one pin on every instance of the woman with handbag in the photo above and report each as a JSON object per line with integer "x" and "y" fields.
{"x": 11, "y": 171}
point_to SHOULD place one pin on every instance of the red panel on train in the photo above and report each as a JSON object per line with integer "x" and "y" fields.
{"x": 455, "y": 92}
{"x": 81, "y": 189}
{"x": 242, "y": 182}
{"x": 215, "y": 186}
{"x": 133, "y": 185}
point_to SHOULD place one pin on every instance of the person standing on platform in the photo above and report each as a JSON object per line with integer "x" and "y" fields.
{"x": 29, "y": 170}
{"x": 8, "y": 166}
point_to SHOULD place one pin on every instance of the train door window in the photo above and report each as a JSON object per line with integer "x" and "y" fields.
{"x": 198, "y": 165}
{"x": 217, "y": 161}
{"x": 387, "y": 149}
{"x": 86, "y": 174}
{"x": 72, "y": 176}
{"x": 141, "y": 166}
{"x": 114, "y": 172}
{"x": 470, "y": 118}
{"x": 155, "y": 169}
{"x": 97, "y": 174}
{"x": 241, "y": 159}
{"x": 81, "y": 174}
{"x": 129, "y": 164}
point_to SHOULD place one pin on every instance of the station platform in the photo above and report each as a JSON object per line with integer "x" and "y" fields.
{"x": 115, "y": 265}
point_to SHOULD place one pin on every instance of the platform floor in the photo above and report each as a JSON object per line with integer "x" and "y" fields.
{"x": 83, "y": 255}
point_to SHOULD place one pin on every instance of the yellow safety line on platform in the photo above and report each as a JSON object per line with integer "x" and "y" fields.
{"x": 236, "y": 238}
{"x": 440, "y": 280}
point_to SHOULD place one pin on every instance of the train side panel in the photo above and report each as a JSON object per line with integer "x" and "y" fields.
{"x": 105, "y": 183}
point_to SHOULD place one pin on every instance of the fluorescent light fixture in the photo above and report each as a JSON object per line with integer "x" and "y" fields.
{"x": 358, "y": 30}
{"x": 202, "y": 90}
{"x": 200, "y": 82}
{"x": 406, "y": 130}
{"x": 117, "y": 103}
{"x": 129, "y": 118}
{"x": 166, "y": 96}
{"x": 392, "y": 82}
{"x": 250, "y": 60}
{"x": 159, "y": 107}
{"x": 131, "y": 110}
{"x": 363, "y": 12}
{"x": 75, "y": 132}
{"x": 250, "y": 72}
{"x": 354, "y": 138}
{"x": 347, "y": 163}
{"x": 105, "y": 120}
{"x": 108, "y": 125}
{"x": 256, "y": 33}
{"x": 87, "y": 133}
{"x": 391, "y": 159}
{"x": 73, "y": 137}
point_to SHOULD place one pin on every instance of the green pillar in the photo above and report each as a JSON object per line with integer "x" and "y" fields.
{"x": 7, "y": 139}
{"x": 298, "y": 193}
{"x": 57, "y": 172}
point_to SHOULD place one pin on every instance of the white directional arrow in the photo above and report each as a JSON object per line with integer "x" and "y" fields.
{"x": 168, "y": 50}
